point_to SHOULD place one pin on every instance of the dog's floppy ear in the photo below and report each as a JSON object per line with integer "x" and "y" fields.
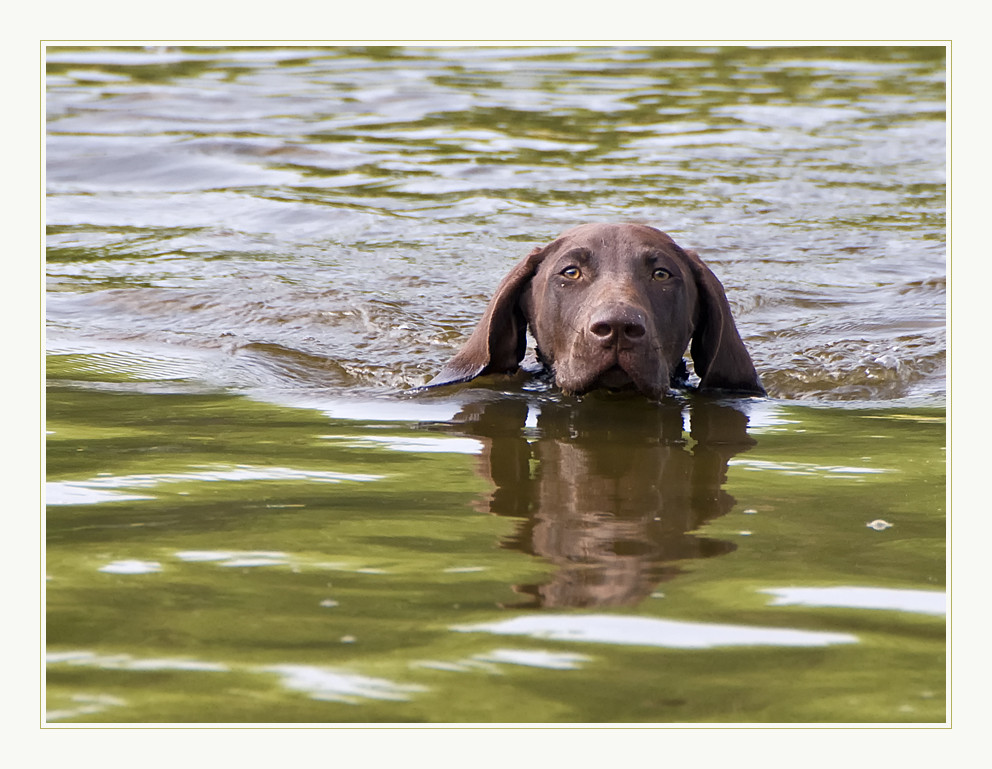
{"x": 499, "y": 341}
{"x": 718, "y": 354}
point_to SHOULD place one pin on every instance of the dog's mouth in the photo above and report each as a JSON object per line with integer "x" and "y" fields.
{"x": 618, "y": 373}
{"x": 615, "y": 378}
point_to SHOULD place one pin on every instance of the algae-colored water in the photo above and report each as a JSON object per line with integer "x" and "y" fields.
{"x": 256, "y": 254}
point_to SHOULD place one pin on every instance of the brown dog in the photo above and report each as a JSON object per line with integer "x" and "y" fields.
{"x": 614, "y": 306}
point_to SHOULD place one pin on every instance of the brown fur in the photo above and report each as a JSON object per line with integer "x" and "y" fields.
{"x": 614, "y": 306}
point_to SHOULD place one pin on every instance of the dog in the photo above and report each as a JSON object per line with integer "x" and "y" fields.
{"x": 611, "y": 306}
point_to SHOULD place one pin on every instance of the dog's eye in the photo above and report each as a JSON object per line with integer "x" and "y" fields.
{"x": 661, "y": 274}
{"x": 572, "y": 273}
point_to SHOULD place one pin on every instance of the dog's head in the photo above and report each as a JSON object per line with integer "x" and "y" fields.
{"x": 614, "y": 306}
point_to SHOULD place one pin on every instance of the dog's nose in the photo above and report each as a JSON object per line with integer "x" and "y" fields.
{"x": 618, "y": 324}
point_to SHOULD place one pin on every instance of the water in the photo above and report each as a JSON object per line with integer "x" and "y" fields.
{"x": 255, "y": 255}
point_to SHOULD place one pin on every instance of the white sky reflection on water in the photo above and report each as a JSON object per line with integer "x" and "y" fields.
{"x": 646, "y": 631}
{"x": 805, "y": 468}
{"x": 127, "y": 662}
{"x": 337, "y": 686}
{"x": 917, "y": 601}
{"x": 131, "y": 567}
{"x": 70, "y": 493}
{"x": 95, "y": 490}
{"x": 319, "y": 683}
{"x": 413, "y": 444}
{"x": 535, "y": 658}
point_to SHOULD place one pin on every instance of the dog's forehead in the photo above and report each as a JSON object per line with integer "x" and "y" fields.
{"x": 616, "y": 238}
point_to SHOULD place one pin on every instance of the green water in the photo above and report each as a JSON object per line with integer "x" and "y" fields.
{"x": 255, "y": 255}
{"x": 298, "y": 567}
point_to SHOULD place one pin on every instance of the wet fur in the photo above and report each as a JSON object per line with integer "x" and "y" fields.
{"x": 611, "y": 306}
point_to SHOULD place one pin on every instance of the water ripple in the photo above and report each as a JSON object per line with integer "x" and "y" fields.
{"x": 646, "y": 631}
{"x": 358, "y": 206}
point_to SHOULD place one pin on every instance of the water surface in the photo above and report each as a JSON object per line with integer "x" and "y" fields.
{"x": 255, "y": 255}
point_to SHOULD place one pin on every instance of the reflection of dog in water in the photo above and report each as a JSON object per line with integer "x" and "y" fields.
{"x": 610, "y": 489}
